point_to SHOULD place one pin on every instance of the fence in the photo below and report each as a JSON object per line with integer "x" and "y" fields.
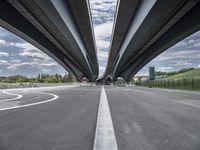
{"x": 177, "y": 83}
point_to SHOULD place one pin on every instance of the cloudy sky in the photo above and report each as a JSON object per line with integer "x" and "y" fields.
{"x": 19, "y": 57}
{"x": 184, "y": 54}
{"x": 103, "y": 12}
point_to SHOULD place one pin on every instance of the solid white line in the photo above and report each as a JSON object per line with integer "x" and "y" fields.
{"x": 105, "y": 135}
{"x": 11, "y": 99}
{"x": 32, "y": 104}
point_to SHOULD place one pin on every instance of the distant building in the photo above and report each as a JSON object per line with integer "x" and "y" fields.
{"x": 151, "y": 73}
{"x": 141, "y": 78}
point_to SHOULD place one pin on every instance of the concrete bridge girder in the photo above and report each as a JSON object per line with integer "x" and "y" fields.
{"x": 48, "y": 35}
{"x": 154, "y": 34}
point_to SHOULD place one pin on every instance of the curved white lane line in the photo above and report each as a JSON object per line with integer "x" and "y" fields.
{"x": 32, "y": 104}
{"x": 11, "y": 99}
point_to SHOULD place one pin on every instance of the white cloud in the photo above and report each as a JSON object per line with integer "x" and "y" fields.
{"x": 15, "y": 64}
{"x": 102, "y": 10}
{"x": 4, "y": 62}
{"x": 4, "y": 54}
{"x": 185, "y": 53}
{"x": 103, "y": 30}
{"x": 103, "y": 56}
{"x": 181, "y": 64}
{"x": 25, "y": 46}
{"x": 177, "y": 55}
{"x": 101, "y": 70}
{"x": 2, "y": 42}
{"x": 35, "y": 59}
{"x": 191, "y": 41}
{"x": 15, "y": 61}
{"x": 20, "y": 65}
{"x": 49, "y": 65}
{"x": 103, "y": 34}
{"x": 45, "y": 70}
{"x": 165, "y": 69}
{"x": 35, "y": 55}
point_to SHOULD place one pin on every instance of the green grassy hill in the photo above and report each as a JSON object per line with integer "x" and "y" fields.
{"x": 195, "y": 73}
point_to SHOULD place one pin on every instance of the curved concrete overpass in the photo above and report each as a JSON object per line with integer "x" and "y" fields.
{"x": 62, "y": 29}
{"x": 144, "y": 29}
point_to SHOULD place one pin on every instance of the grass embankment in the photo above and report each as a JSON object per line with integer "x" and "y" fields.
{"x": 195, "y": 73}
{"x": 189, "y": 80}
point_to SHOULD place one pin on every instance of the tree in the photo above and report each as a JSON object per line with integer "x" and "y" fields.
{"x": 69, "y": 78}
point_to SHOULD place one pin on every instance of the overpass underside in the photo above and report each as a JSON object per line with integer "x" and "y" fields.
{"x": 63, "y": 29}
{"x": 56, "y": 28}
{"x": 148, "y": 29}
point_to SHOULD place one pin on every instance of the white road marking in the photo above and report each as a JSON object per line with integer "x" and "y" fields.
{"x": 105, "y": 135}
{"x": 11, "y": 99}
{"x": 32, "y": 104}
{"x": 185, "y": 103}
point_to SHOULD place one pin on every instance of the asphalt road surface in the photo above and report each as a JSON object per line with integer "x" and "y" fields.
{"x": 66, "y": 123}
{"x": 65, "y": 118}
{"x": 153, "y": 119}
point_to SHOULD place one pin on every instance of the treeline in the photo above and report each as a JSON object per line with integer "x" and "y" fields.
{"x": 41, "y": 78}
{"x": 161, "y": 73}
